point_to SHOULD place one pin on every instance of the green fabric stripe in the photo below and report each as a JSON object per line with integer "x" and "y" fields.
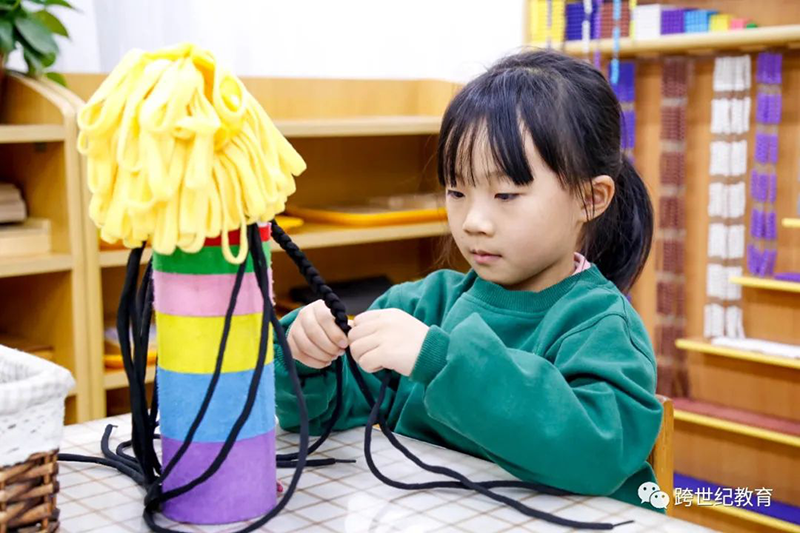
{"x": 208, "y": 260}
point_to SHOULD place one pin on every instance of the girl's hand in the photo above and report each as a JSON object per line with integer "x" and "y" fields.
{"x": 314, "y": 338}
{"x": 386, "y": 339}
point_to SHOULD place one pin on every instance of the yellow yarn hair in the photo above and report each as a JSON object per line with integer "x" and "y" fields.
{"x": 179, "y": 151}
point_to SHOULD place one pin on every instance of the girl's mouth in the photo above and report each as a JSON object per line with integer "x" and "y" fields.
{"x": 484, "y": 258}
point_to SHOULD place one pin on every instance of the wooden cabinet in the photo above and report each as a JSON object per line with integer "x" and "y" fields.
{"x": 43, "y": 297}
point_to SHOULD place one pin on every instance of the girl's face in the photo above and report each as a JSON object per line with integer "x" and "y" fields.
{"x": 520, "y": 237}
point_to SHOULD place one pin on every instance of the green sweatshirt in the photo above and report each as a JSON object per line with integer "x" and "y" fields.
{"x": 556, "y": 387}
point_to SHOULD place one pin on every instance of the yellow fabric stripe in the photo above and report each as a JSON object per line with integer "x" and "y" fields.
{"x": 191, "y": 344}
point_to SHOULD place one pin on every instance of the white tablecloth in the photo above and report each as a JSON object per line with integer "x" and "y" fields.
{"x": 342, "y": 497}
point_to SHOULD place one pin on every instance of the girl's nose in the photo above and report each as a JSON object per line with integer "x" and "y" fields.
{"x": 477, "y": 223}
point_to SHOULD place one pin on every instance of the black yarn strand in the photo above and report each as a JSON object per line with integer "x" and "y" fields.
{"x": 338, "y": 310}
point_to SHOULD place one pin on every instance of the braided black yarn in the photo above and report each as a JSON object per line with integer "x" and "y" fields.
{"x": 338, "y": 310}
{"x": 312, "y": 275}
{"x": 318, "y": 285}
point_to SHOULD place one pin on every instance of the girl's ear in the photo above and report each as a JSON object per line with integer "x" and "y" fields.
{"x": 596, "y": 198}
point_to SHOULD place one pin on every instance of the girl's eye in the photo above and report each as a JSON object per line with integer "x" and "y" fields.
{"x": 506, "y": 196}
{"x": 454, "y": 194}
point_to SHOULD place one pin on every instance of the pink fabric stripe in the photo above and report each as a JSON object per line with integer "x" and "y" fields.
{"x": 204, "y": 295}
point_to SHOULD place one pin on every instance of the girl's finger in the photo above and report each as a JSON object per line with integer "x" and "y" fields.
{"x": 328, "y": 324}
{"x": 317, "y": 335}
{"x": 370, "y": 362}
{"x": 307, "y": 353}
{"x": 362, "y": 329}
{"x": 368, "y": 316}
{"x": 363, "y": 345}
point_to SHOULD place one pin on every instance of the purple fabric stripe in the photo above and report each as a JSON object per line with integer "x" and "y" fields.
{"x": 243, "y": 488}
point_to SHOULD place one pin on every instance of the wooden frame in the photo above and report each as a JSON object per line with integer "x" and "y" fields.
{"x": 662, "y": 458}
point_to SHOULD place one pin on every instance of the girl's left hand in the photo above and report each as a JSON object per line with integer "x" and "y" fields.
{"x": 386, "y": 339}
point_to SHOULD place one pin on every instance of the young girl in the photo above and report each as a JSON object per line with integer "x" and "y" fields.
{"x": 534, "y": 359}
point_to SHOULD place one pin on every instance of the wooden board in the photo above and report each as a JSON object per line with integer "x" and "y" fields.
{"x": 31, "y": 237}
{"x": 297, "y": 98}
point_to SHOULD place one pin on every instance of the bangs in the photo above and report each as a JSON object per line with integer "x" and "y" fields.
{"x": 470, "y": 130}
{"x": 501, "y": 109}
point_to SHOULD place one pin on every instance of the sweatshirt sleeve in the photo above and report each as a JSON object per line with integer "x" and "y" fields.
{"x": 319, "y": 386}
{"x": 582, "y": 417}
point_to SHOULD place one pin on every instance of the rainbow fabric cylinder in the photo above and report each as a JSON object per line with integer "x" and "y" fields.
{"x": 191, "y": 296}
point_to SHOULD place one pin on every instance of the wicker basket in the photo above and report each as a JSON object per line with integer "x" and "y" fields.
{"x": 28, "y": 495}
{"x": 32, "y": 394}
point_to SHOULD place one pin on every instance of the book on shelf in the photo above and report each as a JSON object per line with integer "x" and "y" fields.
{"x": 31, "y": 237}
{"x": 12, "y": 206}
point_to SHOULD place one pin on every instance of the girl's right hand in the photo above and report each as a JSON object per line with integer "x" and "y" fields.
{"x": 314, "y": 338}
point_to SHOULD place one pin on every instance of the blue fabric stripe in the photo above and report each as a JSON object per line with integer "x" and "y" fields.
{"x": 181, "y": 395}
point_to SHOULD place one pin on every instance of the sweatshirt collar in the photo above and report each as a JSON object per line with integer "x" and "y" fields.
{"x": 528, "y": 301}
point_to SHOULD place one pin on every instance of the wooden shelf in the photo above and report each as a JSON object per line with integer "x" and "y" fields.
{"x": 766, "y": 283}
{"x": 735, "y": 427}
{"x": 313, "y": 235}
{"x": 116, "y": 258}
{"x": 360, "y": 126}
{"x": 723, "y": 418}
{"x": 35, "y": 264}
{"x": 704, "y": 346}
{"x": 116, "y": 379}
{"x": 31, "y": 133}
{"x": 748, "y": 40}
{"x": 791, "y": 223}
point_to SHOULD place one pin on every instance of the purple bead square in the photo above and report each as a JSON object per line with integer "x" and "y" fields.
{"x": 758, "y": 187}
{"x": 762, "y": 264}
{"x": 753, "y": 257}
{"x": 772, "y": 186}
{"x": 769, "y": 66}
{"x": 770, "y": 226}
{"x": 761, "y": 107}
{"x": 756, "y": 224}
{"x": 772, "y": 256}
{"x": 761, "y": 67}
{"x": 768, "y": 110}
{"x": 775, "y": 109}
{"x": 761, "y": 148}
{"x": 761, "y": 191}
{"x": 774, "y": 67}
{"x": 596, "y": 21}
{"x": 772, "y": 156}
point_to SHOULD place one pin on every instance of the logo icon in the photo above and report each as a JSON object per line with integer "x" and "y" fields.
{"x": 651, "y": 493}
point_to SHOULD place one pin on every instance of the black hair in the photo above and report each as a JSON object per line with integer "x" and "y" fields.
{"x": 573, "y": 117}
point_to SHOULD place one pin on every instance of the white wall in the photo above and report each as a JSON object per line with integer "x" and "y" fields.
{"x": 397, "y": 39}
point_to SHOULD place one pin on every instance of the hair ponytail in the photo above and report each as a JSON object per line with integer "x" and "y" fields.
{"x": 619, "y": 240}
